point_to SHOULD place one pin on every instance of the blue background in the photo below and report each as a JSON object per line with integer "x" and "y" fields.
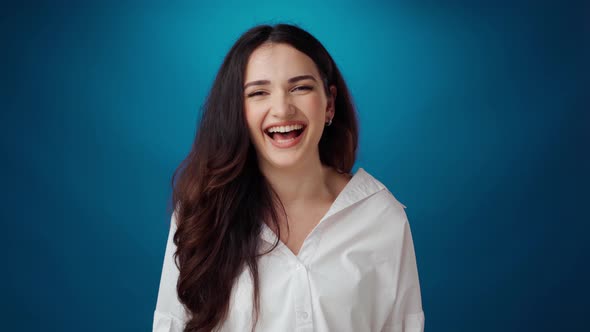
{"x": 474, "y": 114}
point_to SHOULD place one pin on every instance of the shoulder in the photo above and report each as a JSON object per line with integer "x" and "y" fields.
{"x": 383, "y": 204}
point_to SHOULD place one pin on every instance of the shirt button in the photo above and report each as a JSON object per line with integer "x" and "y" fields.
{"x": 304, "y": 315}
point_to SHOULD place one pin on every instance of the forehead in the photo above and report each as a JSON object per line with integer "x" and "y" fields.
{"x": 278, "y": 62}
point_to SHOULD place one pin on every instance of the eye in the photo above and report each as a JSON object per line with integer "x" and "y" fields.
{"x": 256, "y": 93}
{"x": 303, "y": 88}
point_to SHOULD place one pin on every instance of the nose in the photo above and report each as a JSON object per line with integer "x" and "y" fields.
{"x": 281, "y": 106}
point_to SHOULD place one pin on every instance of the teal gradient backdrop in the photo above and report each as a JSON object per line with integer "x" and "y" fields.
{"x": 474, "y": 114}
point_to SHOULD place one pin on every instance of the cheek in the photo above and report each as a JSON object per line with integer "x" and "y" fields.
{"x": 253, "y": 120}
{"x": 314, "y": 104}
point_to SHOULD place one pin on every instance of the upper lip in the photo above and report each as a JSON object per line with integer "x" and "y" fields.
{"x": 284, "y": 123}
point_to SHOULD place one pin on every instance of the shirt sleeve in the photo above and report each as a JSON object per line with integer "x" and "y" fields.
{"x": 169, "y": 315}
{"x": 407, "y": 314}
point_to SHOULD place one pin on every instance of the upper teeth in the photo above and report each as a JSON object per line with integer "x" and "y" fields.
{"x": 284, "y": 129}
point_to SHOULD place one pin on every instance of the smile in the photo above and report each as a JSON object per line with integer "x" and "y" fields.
{"x": 285, "y": 136}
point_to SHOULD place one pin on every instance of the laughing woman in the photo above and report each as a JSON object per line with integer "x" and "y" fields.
{"x": 270, "y": 231}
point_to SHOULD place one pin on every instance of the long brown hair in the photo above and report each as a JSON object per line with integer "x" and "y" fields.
{"x": 219, "y": 195}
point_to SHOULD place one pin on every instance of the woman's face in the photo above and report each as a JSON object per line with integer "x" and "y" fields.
{"x": 285, "y": 105}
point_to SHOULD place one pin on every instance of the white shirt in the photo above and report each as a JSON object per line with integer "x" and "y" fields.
{"x": 356, "y": 271}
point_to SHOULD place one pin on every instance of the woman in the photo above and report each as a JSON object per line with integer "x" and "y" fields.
{"x": 270, "y": 232}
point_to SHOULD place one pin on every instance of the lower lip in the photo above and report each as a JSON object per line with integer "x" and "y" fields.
{"x": 286, "y": 144}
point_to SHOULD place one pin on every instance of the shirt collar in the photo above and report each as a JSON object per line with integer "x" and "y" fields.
{"x": 361, "y": 186}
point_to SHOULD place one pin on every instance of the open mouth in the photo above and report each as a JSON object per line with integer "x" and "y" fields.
{"x": 284, "y": 135}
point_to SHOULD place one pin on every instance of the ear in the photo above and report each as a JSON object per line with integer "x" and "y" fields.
{"x": 331, "y": 107}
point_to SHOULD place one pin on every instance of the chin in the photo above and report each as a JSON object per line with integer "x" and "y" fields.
{"x": 283, "y": 163}
{"x": 285, "y": 159}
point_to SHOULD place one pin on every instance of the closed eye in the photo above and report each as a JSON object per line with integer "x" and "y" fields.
{"x": 303, "y": 87}
{"x": 256, "y": 93}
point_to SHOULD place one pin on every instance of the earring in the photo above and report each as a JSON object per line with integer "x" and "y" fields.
{"x": 329, "y": 123}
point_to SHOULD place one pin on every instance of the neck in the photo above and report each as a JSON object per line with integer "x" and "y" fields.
{"x": 300, "y": 184}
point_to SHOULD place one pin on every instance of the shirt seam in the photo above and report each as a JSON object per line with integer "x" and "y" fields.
{"x": 419, "y": 316}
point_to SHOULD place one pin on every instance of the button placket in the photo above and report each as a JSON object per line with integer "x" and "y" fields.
{"x": 303, "y": 308}
{"x": 303, "y": 315}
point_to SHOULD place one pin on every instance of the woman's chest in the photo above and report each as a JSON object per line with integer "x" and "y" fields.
{"x": 342, "y": 289}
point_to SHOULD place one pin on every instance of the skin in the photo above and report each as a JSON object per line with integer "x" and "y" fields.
{"x": 306, "y": 188}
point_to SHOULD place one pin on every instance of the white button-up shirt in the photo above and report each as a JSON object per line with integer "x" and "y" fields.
{"x": 356, "y": 271}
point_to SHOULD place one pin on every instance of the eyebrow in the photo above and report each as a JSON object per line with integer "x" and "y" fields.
{"x": 291, "y": 80}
